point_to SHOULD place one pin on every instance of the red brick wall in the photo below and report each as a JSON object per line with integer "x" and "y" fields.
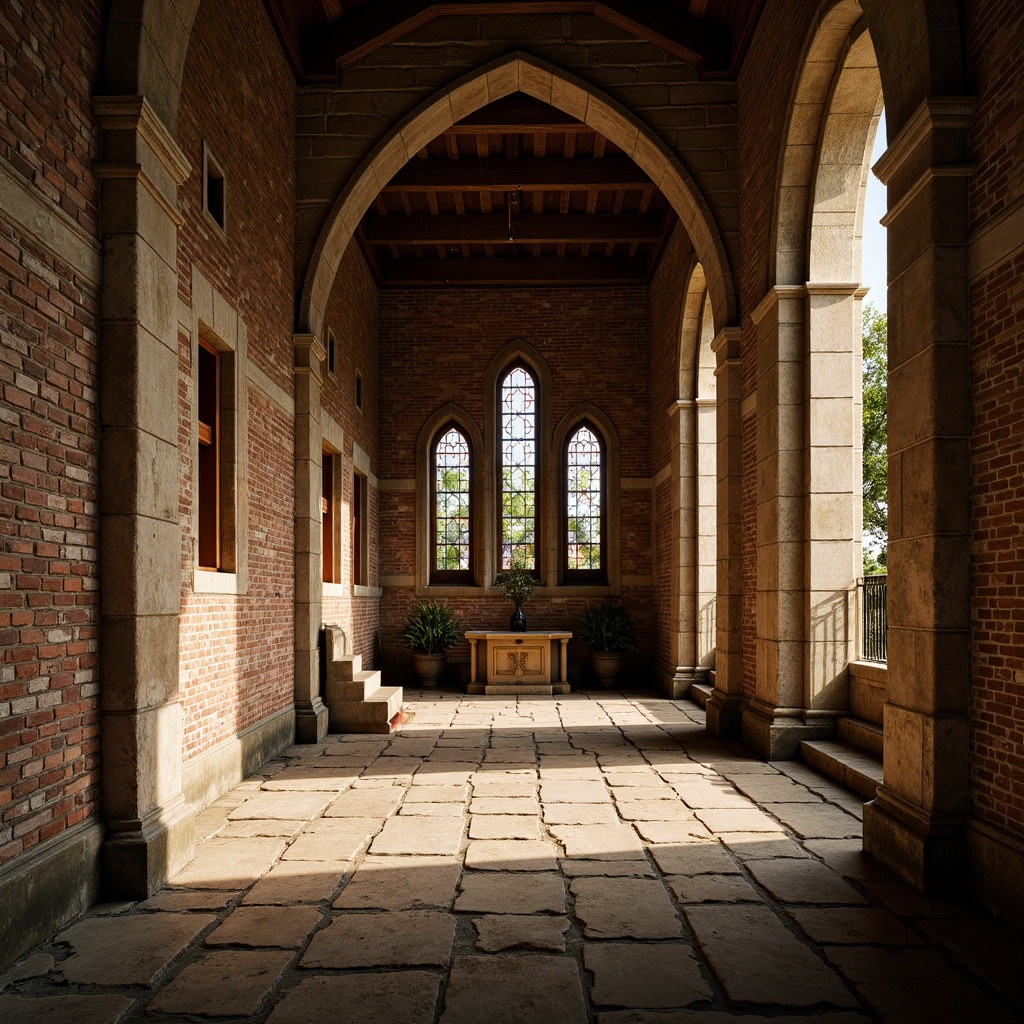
{"x": 228, "y": 681}
{"x": 49, "y": 435}
{"x": 997, "y": 445}
{"x": 352, "y": 316}
{"x": 435, "y": 346}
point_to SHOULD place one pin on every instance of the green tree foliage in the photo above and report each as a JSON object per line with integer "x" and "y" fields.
{"x": 876, "y": 459}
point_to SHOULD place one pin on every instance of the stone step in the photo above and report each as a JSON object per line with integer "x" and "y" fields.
{"x": 700, "y": 693}
{"x": 859, "y": 733}
{"x": 362, "y": 687}
{"x": 375, "y": 714}
{"x": 848, "y": 765}
{"x": 345, "y": 668}
{"x": 711, "y": 678}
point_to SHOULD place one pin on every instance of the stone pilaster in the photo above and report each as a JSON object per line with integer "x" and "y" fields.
{"x": 149, "y": 826}
{"x": 310, "y": 710}
{"x": 916, "y": 823}
{"x": 723, "y": 709}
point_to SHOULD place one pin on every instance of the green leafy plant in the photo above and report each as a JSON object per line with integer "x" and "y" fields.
{"x": 431, "y": 627}
{"x": 608, "y": 627}
{"x": 517, "y": 583}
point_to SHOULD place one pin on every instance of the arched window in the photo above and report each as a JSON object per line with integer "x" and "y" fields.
{"x": 517, "y": 404}
{"x": 451, "y": 483}
{"x": 584, "y": 507}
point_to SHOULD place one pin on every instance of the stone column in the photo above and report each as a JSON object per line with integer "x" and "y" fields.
{"x": 310, "y": 710}
{"x": 723, "y": 708}
{"x": 149, "y": 825}
{"x": 683, "y": 609}
{"x": 916, "y": 823}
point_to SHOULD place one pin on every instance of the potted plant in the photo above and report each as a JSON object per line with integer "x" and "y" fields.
{"x": 517, "y": 584}
{"x": 430, "y": 630}
{"x": 609, "y": 631}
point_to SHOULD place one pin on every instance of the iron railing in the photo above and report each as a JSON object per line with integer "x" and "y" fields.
{"x": 874, "y": 618}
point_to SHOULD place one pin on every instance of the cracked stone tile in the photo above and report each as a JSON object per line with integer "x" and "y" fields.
{"x": 709, "y": 858}
{"x": 65, "y": 1009}
{"x": 511, "y": 855}
{"x": 504, "y": 805}
{"x": 501, "y": 932}
{"x": 454, "y": 774}
{"x": 915, "y": 986}
{"x": 31, "y": 967}
{"x": 846, "y": 857}
{"x": 773, "y": 789}
{"x": 614, "y": 908}
{"x": 229, "y": 863}
{"x": 512, "y": 893}
{"x": 713, "y": 793}
{"x": 573, "y": 791}
{"x": 436, "y": 795}
{"x": 262, "y": 926}
{"x": 673, "y": 832}
{"x": 130, "y": 950}
{"x": 655, "y": 810}
{"x": 644, "y": 974}
{"x": 297, "y": 881}
{"x": 601, "y": 842}
{"x": 758, "y": 961}
{"x": 504, "y": 826}
{"x": 802, "y": 881}
{"x": 401, "y": 883}
{"x": 524, "y": 989}
{"x": 392, "y": 768}
{"x": 415, "y": 834}
{"x": 580, "y": 814}
{"x": 406, "y": 938}
{"x": 282, "y": 805}
{"x": 372, "y": 802}
{"x": 486, "y": 787}
{"x": 432, "y": 810}
{"x": 713, "y": 889}
{"x": 329, "y": 845}
{"x": 739, "y": 820}
{"x": 403, "y": 997}
{"x": 853, "y": 926}
{"x": 762, "y": 846}
{"x": 270, "y": 828}
{"x": 225, "y": 983}
{"x": 817, "y": 821}
{"x": 298, "y": 779}
{"x": 183, "y": 899}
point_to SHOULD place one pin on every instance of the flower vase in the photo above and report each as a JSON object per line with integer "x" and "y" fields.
{"x": 517, "y": 623}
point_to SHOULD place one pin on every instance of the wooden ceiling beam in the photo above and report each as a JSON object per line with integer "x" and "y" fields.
{"x": 326, "y": 50}
{"x": 499, "y": 175}
{"x": 453, "y": 229}
{"x": 509, "y": 272}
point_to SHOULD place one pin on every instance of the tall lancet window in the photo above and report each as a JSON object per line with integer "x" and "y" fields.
{"x": 518, "y": 411}
{"x": 583, "y": 553}
{"x": 451, "y": 523}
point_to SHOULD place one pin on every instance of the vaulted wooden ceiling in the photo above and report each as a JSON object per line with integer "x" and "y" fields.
{"x": 517, "y": 193}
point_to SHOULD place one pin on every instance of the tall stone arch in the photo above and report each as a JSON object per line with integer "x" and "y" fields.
{"x": 516, "y": 72}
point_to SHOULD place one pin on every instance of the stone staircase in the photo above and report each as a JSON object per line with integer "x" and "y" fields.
{"x": 700, "y": 693}
{"x": 356, "y": 702}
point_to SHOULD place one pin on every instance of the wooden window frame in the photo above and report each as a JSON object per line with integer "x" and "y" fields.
{"x": 450, "y": 577}
{"x": 208, "y": 484}
{"x": 360, "y": 529}
{"x": 329, "y": 515}
{"x": 538, "y": 489}
{"x": 584, "y": 577}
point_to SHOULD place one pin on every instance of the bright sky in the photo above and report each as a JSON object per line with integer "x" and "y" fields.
{"x": 874, "y": 263}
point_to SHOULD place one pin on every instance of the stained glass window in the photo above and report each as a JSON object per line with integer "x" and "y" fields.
{"x": 584, "y": 502}
{"x": 451, "y": 485}
{"x": 518, "y": 401}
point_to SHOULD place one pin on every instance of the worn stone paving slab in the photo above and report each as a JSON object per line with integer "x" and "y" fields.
{"x": 750, "y": 819}
{"x": 504, "y": 826}
{"x": 487, "y": 787}
{"x": 759, "y": 962}
{"x": 372, "y": 802}
{"x": 654, "y": 810}
{"x": 291, "y": 806}
{"x": 673, "y": 832}
{"x": 817, "y": 821}
{"x": 437, "y": 795}
{"x": 225, "y": 983}
{"x": 854, "y": 926}
{"x": 306, "y": 778}
{"x": 511, "y": 855}
{"x": 774, "y": 789}
{"x": 512, "y": 893}
{"x": 432, "y": 810}
{"x": 710, "y": 793}
{"x": 915, "y": 986}
{"x": 750, "y": 846}
{"x": 297, "y": 881}
{"x": 320, "y": 846}
{"x": 391, "y": 768}
{"x": 262, "y": 926}
{"x": 846, "y": 857}
{"x": 572, "y": 791}
{"x": 708, "y": 858}
{"x": 504, "y": 805}
{"x": 229, "y": 863}
{"x": 128, "y": 950}
{"x": 524, "y": 989}
{"x": 403, "y": 997}
{"x": 602, "y": 842}
{"x": 803, "y": 881}
{"x": 713, "y": 889}
{"x": 270, "y": 828}
{"x": 414, "y": 834}
{"x": 401, "y": 883}
{"x": 183, "y": 899}
{"x": 65, "y": 1009}
{"x": 387, "y": 938}
{"x": 500, "y": 932}
{"x": 618, "y": 908}
{"x": 580, "y": 814}
{"x": 644, "y": 975}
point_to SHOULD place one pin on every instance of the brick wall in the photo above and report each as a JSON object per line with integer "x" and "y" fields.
{"x": 352, "y": 316}
{"x": 228, "y": 681}
{"x": 49, "y": 434}
{"x": 435, "y": 346}
{"x": 997, "y": 444}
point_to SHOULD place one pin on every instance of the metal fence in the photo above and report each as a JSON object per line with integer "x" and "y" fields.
{"x": 874, "y": 618}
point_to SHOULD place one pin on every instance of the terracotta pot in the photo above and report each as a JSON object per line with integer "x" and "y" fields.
{"x": 429, "y": 667}
{"x": 607, "y": 666}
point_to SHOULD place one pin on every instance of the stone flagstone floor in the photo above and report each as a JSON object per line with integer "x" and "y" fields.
{"x": 594, "y": 857}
